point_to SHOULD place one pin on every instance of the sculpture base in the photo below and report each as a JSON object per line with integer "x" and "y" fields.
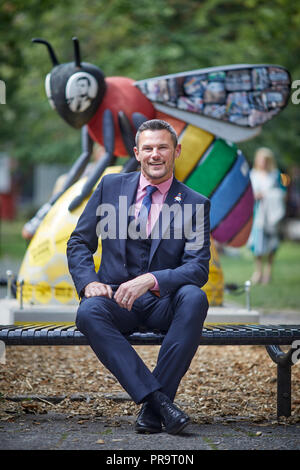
{"x": 10, "y": 312}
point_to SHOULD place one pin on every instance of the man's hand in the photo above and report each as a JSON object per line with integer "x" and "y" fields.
{"x": 131, "y": 290}
{"x": 94, "y": 289}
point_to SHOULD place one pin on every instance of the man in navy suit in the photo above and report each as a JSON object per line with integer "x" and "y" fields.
{"x": 155, "y": 258}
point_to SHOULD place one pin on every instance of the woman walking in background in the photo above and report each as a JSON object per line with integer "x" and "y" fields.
{"x": 269, "y": 209}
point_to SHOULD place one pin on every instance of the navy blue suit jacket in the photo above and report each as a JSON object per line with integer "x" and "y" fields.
{"x": 173, "y": 261}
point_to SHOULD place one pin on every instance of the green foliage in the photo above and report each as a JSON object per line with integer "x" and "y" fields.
{"x": 12, "y": 244}
{"x": 140, "y": 40}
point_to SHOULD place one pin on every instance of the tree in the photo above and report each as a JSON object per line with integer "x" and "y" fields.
{"x": 140, "y": 40}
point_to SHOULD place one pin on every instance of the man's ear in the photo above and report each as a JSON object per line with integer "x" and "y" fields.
{"x": 178, "y": 150}
{"x": 136, "y": 152}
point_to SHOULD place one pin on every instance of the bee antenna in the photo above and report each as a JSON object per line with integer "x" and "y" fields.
{"x": 50, "y": 49}
{"x": 76, "y": 52}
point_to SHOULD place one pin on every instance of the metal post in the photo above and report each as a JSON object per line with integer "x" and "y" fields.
{"x": 247, "y": 290}
{"x": 9, "y": 275}
{"x": 21, "y": 293}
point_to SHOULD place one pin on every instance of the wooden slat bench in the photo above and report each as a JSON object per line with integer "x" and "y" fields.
{"x": 270, "y": 336}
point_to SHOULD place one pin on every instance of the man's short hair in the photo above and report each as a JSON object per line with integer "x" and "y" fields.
{"x": 156, "y": 125}
{"x": 84, "y": 78}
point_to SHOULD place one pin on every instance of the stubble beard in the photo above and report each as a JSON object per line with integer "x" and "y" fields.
{"x": 150, "y": 173}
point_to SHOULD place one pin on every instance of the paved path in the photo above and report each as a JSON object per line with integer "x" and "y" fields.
{"x": 55, "y": 431}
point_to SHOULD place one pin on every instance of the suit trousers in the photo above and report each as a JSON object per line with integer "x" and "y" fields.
{"x": 182, "y": 315}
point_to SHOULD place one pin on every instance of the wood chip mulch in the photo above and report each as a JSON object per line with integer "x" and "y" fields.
{"x": 223, "y": 383}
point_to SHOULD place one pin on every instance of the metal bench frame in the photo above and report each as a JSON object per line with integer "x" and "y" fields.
{"x": 270, "y": 336}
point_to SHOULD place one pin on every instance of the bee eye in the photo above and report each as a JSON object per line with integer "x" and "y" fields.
{"x": 48, "y": 90}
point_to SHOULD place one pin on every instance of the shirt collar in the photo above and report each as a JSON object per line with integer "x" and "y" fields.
{"x": 162, "y": 187}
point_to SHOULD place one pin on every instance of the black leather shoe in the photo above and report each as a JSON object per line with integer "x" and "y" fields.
{"x": 173, "y": 418}
{"x": 147, "y": 420}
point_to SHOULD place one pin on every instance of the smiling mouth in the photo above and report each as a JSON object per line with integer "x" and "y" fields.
{"x": 156, "y": 163}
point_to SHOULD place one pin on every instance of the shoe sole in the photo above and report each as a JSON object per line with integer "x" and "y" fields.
{"x": 179, "y": 429}
{"x": 143, "y": 430}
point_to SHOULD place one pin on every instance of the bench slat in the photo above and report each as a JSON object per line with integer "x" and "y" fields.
{"x": 219, "y": 334}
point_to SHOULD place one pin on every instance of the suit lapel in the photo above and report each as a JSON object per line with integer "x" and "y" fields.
{"x": 163, "y": 223}
{"x": 128, "y": 190}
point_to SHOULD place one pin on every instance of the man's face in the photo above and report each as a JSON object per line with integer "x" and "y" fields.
{"x": 156, "y": 154}
{"x": 82, "y": 86}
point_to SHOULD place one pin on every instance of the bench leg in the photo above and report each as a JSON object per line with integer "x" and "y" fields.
{"x": 284, "y": 366}
{"x": 284, "y": 392}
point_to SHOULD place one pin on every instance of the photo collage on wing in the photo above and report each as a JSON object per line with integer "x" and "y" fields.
{"x": 247, "y": 97}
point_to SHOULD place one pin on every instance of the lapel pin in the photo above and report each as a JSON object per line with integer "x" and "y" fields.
{"x": 178, "y": 197}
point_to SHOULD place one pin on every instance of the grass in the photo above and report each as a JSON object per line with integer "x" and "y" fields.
{"x": 211, "y": 443}
{"x": 11, "y": 242}
{"x": 283, "y": 292}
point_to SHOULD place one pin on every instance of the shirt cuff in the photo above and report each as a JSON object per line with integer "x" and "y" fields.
{"x": 156, "y": 286}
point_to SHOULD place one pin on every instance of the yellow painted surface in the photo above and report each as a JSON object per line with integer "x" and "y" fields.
{"x": 214, "y": 288}
{"x": 194, "y": 142}
{"x": 44, "y": 268}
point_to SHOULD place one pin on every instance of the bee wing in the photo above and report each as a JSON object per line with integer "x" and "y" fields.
{"x": 232, "y": 102}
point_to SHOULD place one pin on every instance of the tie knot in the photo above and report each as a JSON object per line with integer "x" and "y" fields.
{"x": 150, "y": 190}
